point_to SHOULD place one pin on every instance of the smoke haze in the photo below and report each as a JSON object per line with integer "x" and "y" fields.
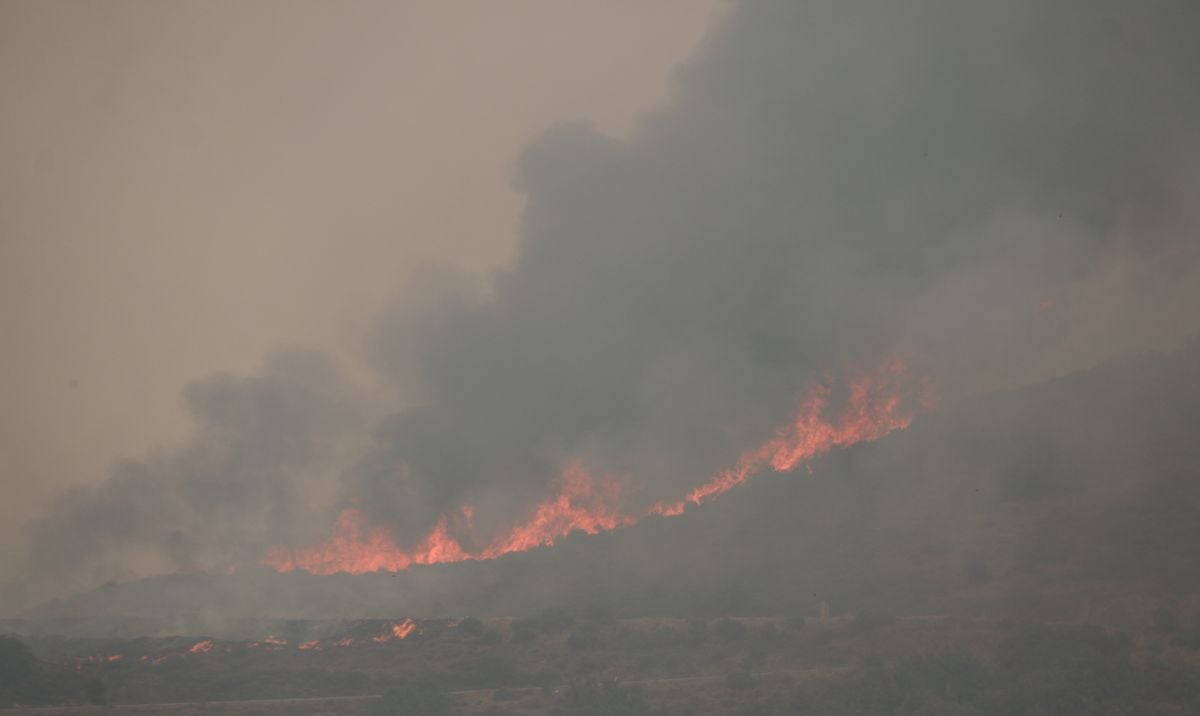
{"x": 999, "y": 193}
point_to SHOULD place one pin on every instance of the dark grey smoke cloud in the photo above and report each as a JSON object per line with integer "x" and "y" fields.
{"x": 833, "y": 182}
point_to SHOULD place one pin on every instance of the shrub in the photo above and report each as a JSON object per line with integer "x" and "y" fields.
{"x": 471, "y": 627}
{"x": 524, "y": 631}
{"x": 729, "y": 629}
{"x": 948, "y": 676}
{"x": 585, "y": 637}
{"x": 795, "y": 625}
{"x": 591, "y": 697}
{"x": 554, "y": 620}
{"x": 867, "y": 621}
{"x": 18, "y": 671}
{"x": 977, "y": 571}
{"x": 485, "y": 669}
{"x": 740, "y": 680}
{"x": 413, "y": 697}
{"x": 95, "y": 693}
{"x": 1166, "y": 621}
{"x": 601, "y": 614}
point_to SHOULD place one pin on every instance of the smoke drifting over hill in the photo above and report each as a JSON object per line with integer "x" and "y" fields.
{"x": 997, "y": 192}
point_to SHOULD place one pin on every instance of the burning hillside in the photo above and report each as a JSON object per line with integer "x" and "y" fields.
{"x": 876, "y": 403}
{"x": 1002, "y": 192}
{"x": 978, "y": 508}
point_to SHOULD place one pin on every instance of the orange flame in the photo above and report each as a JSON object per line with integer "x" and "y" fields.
{"x": 313, "y": 644}
{"x": 403, "y": 629}
{"x": 874, "y": 408}
{"x": 877, "y": 402}
{"x": 580, "y": 503}
{"x": 396, "y": 631}
{"x": 201, "y": 647}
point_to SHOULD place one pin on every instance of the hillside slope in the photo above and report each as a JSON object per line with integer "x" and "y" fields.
{"x": 1075, "y": 500}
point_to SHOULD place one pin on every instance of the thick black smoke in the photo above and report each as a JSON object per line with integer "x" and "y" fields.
{"x": 834, "y": 181}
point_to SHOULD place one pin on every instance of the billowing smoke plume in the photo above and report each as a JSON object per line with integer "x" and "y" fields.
{"x": 831, "y": 183}
{"x": 998, "y": 191}
{"x": 255, "y": 472}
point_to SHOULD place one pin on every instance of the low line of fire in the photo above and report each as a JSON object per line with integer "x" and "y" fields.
{"x": 181, "y": 649}
{"x": 874, "y": 403}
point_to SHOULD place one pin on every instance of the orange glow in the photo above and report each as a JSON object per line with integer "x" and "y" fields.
{"x": 875, "y": 406}
{"x": 872, "y": 404}
{"x": 275, "y": 642}
{"x": 580, "y": 503}
{"x": 403, "y": 629}
{"x": 314, "y": 644}
{"x": 344, "y": 641}
{"x": 396, "y": 631}
{"x": 201, "y": 647}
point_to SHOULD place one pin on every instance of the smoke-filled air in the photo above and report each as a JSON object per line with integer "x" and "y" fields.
{"x": 881, "y": 312}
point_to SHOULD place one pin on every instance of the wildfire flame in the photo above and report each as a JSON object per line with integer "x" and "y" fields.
{"x": 580, "y": 503}
{"x": 874, "y": 408}
{"x": 80, "y": 661}
{"x": 877, "y": 402}
{"x": 201, "y": 647}
{"x": 313, "y": 644}
{"x": 396, "y": 631}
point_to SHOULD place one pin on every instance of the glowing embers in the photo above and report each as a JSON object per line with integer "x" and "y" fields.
{"x": 396, "y": 631}
{"x": 203, "y": 647}
{"x": 82, "y": 661}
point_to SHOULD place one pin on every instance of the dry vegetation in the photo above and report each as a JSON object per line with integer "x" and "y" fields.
{"x": 558, "y": 663}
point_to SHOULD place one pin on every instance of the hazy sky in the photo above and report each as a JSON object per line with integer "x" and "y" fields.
{"x": 1000, "y": 192}
{"x": 184, "y": 186}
